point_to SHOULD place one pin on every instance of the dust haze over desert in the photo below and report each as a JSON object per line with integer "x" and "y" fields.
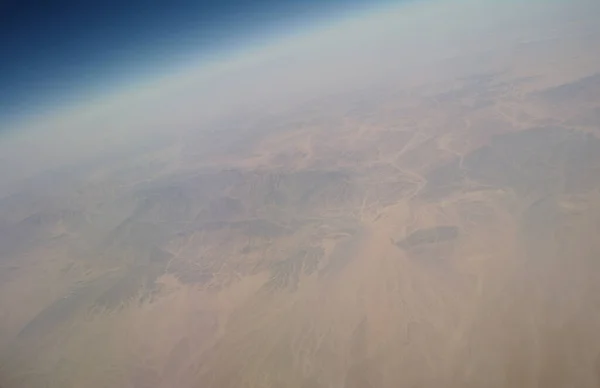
{"x": 408, "y": 197}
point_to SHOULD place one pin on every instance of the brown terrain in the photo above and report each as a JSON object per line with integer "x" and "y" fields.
{"x": 440, "y": 233}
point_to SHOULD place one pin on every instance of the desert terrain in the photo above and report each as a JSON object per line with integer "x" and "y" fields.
{"x": 441, "y": 232}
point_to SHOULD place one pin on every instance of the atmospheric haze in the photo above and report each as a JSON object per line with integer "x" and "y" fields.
{"x": 408, "y": 196}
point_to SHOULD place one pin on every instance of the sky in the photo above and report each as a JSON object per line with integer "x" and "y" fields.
{"x": 53, "y": 52}
{"x": 115, "y": 78}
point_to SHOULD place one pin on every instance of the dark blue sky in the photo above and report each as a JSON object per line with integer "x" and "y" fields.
{"x": 52, "y": 51}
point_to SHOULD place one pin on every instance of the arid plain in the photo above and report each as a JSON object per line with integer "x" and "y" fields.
{"x": 436, "y": 232}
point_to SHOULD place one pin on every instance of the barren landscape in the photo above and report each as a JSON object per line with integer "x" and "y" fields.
{"x": 435, "y": 233}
